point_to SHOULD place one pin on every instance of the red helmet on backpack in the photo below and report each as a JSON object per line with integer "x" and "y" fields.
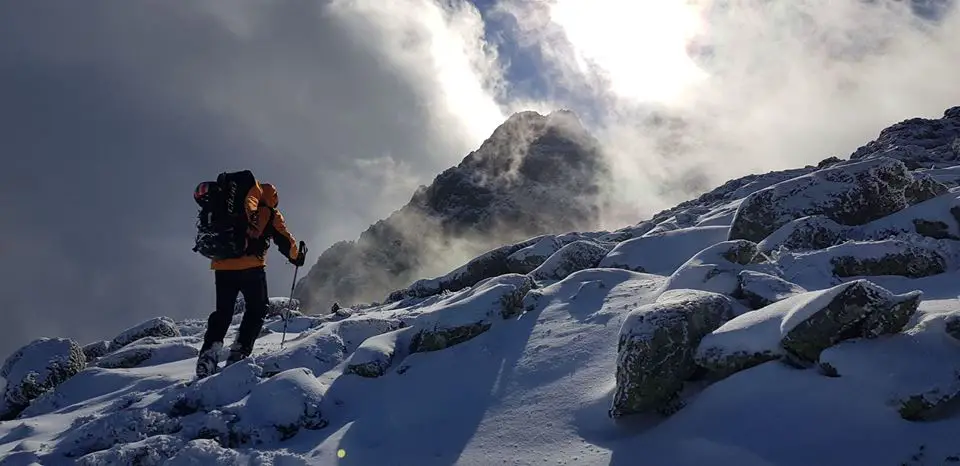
{"x": 203, "y": 191}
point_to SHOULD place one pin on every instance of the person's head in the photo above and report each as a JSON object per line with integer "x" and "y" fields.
{"x": 270, "y": 196}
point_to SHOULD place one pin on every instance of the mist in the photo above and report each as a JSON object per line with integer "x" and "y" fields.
{"x": 113, "y": 112}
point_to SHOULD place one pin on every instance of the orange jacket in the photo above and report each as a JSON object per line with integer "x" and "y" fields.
{"x": 261, "y": 202}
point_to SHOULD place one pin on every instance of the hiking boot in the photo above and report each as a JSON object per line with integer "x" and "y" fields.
{"x": 208, "y": 359}
{"x": 237, "y": 352}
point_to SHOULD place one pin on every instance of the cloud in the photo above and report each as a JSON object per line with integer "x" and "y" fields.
{"x": 115, "y": 112}
{"x": 687, "y": 94}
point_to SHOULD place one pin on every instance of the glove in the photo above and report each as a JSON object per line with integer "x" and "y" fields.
{"x": 301, "y": 255}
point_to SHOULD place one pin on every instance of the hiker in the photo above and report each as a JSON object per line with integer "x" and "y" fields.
{"x": 244, "y": 272}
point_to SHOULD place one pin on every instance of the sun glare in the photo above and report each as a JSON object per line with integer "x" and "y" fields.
{"x": 641, "y": 45}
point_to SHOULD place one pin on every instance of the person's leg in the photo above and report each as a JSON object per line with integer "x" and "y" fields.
{"x": 254, "y": 289}
{"x": 227, "y": 284}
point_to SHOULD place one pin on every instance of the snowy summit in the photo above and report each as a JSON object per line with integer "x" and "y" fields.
{"x": 803, "y": 317}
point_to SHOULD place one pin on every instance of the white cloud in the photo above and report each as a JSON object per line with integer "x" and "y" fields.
{"x": 439, "y": 49}
{"x": 750, "y": 85}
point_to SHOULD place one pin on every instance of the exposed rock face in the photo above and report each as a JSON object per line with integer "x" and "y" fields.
{"x": 536, "y": 174}
{"x": 849, "y": 194}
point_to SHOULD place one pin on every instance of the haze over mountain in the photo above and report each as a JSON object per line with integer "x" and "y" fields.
{"x": 535, "y": 174}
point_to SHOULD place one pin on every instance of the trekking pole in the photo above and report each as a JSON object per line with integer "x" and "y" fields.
{"x": 289, "y": 306}
{"x": 303, "y": 251}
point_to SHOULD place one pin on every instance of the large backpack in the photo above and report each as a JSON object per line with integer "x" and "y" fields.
{"x": 222, "y": 222}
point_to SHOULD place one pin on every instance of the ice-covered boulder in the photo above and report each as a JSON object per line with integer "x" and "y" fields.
{"x": 36, "y": 368}
{"x": 151, "y": 451}
{"x": 151, "y": 351}
{"x": 716, "y": 267}
{"x": 760, "y": 289}
{"x": 160, "y": 327}
{"x": 656, "y": 346}
{"x": 576, "y": 256}
{"x": 803, "y": 325}
{"x": 278, "y": 408}
{"x": 463, "y": 316}
{"x": 849, "y": 194}
{"x": 663, "y": 253}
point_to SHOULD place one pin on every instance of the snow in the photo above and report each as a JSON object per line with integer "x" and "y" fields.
{"x": 521, "y": 371}
{"x": 647, "y": 253}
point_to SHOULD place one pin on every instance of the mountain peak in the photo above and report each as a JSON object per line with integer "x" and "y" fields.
{"x": 534, "y": 174}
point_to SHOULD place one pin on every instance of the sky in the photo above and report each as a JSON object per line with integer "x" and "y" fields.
{"x": 112, "y": 112}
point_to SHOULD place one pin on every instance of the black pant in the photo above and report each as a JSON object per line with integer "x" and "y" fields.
{"x": 253, "y": 284}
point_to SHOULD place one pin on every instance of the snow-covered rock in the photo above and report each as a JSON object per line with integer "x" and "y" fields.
{"x": 803, "y": 325}
{"x": 576, "y": 256}
{"x": 151, "y": 351}
{"x": 36, "y": 368}
{"x": 806, "y": 233}
{"x": 228, "y": 386}
{"x": 160, "y": 327}
{"x": 95, "y": 350}
{"x": 376, "y": 354}
{"x": 354, "y": 331}
{"x": 937, "y": 218}
{"x": 656, "y": 346}
{"x": 850, "y": 194}
{"x": 908, "y": 255}
{"x": 526, "y": 260}
{"x": 278, "y": 408}
{"x": 663, "y": 253}
{"x": 318, "y": 350}
{"x": 917, "y": 141}
{"x": 716, "y": 267}
{"x": 119, "y": 427}
{"x": 151, "y": 451}
{"x": 760, "y": 289}
{"x": 465, "y": 315}
{"x": 488, "y": 265}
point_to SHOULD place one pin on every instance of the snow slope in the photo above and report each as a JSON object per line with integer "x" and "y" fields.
{"x": 521, "y": 368}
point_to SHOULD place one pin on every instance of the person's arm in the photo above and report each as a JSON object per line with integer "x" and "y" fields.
{"x": 285, "y": 241}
